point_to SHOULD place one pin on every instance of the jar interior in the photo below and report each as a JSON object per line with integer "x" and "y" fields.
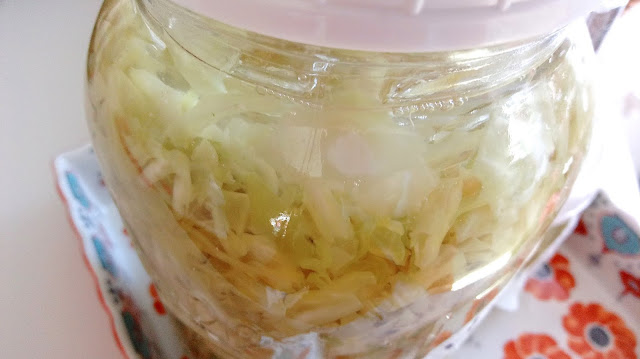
{"x": 277, "y": 189}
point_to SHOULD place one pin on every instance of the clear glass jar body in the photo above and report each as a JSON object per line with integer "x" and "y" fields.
{"x": 362, "y": 201}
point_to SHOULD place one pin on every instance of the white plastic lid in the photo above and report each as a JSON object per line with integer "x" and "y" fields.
{"x": 399, "y": 25}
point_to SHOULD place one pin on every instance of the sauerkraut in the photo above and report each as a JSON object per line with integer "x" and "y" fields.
{"x": 344, "y": 205}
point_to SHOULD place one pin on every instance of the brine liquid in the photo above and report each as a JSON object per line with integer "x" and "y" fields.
{"x": 270, "y": 199}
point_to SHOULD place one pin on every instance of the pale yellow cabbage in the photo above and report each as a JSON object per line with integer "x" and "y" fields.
{"x": 325, "y": 217}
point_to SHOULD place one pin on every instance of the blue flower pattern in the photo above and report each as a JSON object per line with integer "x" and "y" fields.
{"x": 76, "y": 190}
{"x": 105, "y": 257}
{"x": 619, "y": 237}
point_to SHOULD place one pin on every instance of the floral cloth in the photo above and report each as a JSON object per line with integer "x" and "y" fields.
{"x": 534, "y": 346}
{"x": 582, "y": 303}
{"x": 553, "y": 280}
{"x": 597, "y": 333}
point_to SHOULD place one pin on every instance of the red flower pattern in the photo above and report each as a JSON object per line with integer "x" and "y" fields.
{"x": 581, "y": 228}
{"x": 539, "y": 346}
{"x": 595, "y": 333}
{"x": 553, "y": 280}
{"x": 157, "y": 304}
{"x": 631, "y": 284}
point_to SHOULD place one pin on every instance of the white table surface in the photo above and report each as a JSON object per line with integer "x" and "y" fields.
{"x": 49, "y": 307}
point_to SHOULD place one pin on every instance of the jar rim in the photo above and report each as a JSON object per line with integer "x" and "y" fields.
{"x": 401, "y": 25}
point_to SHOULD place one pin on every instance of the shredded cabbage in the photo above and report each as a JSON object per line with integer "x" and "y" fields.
{"x": 332, "y": 218}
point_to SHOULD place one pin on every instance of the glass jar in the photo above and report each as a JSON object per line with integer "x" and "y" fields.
{"x": 281, "y": 193}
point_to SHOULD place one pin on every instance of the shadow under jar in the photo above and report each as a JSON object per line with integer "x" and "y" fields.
{"x": 279, "y": 192}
